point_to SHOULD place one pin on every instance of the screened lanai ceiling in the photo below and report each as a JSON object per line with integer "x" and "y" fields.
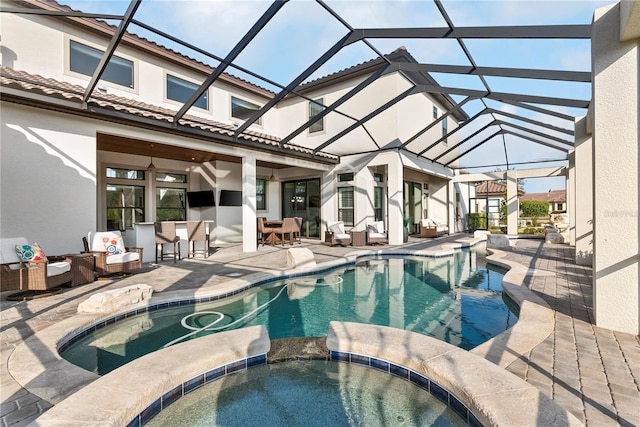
{"x": 512, "y": 74}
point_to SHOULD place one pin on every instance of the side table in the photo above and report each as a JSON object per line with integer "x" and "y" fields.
{"x": 358, "y": 238}
{"x": 81, "y": 268}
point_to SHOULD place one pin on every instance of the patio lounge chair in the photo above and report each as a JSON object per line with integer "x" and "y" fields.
{"x": 110, "y": 254}
{"x": 376, "y": 233}
{"x": 432, "y": 228}
{"x": 336, "y": 234}
{"x": 35, "y": 271}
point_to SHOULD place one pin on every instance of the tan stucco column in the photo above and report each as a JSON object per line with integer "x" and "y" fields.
{"x": 394, "y": 189}
{"x": 249, "y": 226}
{"x": 583, "y": 190}
{"x": 512, "y": 202}
{"x": 615, "y": 105}
{"x": 570, "y": 191}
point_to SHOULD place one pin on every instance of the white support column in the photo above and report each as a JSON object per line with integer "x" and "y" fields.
{"x": 583, "y": 190}
{"x": 512, "y": 202}
{"x": 616, "y": 155}
{"x": 570, "y": 191}
{"x": 395, "y": 226}
{"x": 249, "y": 217}
{"x": 329, "y": 201}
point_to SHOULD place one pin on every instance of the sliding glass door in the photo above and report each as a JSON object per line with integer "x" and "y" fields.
{"x": 302, "y": 199}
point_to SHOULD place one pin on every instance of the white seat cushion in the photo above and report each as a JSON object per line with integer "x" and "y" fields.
{"x": 341, "y": 236}
{"x": 377, "y": 235}
{"x": 56, "y": 268}
{"x": 125, "y": 257}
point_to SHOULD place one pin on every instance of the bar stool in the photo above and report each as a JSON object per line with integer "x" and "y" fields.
{"x": 166, "y": 235}
{"x": 197, "y": 232}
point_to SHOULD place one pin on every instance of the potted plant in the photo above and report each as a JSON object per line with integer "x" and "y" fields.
{"x": 405, "y": 222}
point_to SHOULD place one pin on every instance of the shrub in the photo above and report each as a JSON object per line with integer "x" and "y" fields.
{"x": 534, "y": 208}
{"x": 477, "y": 221}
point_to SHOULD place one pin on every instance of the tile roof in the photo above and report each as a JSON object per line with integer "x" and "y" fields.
{"x": 493, "y": 188}
{"x": 36, "y": 84}
{"x": 555, "y": 196}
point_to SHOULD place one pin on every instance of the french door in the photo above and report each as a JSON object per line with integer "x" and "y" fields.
{"x": 301, "y": 198}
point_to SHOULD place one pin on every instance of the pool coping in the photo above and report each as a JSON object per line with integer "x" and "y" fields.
{"x": 37, "y": 366}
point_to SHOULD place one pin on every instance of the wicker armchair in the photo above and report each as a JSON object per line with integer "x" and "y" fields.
{"x": 109, "y": 261}
{"x": 336, "y": 234}
{"x": 376, "y": 233}
{"x": 16, "y": 275}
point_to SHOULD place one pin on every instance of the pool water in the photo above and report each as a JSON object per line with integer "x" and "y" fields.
{"x": 456, "y": 299}
{"x": 308, "y": 393}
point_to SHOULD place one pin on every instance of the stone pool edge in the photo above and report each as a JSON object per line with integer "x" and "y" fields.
{"x": 37, "y": 366}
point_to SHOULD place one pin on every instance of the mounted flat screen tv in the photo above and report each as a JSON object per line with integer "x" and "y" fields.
{"x": 200, "y": 199}
{"x": 230, "y": 198}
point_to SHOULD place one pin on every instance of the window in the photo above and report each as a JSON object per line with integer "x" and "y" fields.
{"x": 378, "y": 197}
{"x": 346, "y": 205}
{"x": 560, "y": 206}
{"x": 125, "y": 174}
{"x": 170, "y": 204}
{"x": 181, "y": 90}
{"x": 171, "y": 196}
{"x": 261, "y": 194}
{"x": 435, "y": 112}
{"x": 125, "y": 206}
{"x": 241, "y": 109}
{"x": 345, "y": 177}
{"x": 314, "y": 110}
{"x": 444, "y": 128}
{"x": 175, "y": 178}
{"x": 378, "y": 177}
{"x": 125, "y": 202}
{"x": 84, "y": 60}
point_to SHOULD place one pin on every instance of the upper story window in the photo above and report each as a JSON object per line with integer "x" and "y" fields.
{"x": 314, "y": 110}
{"x": 241, "y": 109}
{"x": 444, "y": 129}
{"x": 181, "y": 90}
{"x": 84, "y": 60}
{"x": 435, "y": 112}
{"x": 345, "y": 177}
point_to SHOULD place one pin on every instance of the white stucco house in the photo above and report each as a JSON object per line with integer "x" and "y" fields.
{"x": 103, "y": 129}
{"x": 87, "y": 157}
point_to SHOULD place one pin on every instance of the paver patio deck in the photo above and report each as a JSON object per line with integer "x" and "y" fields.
{"x": 594, "y": 373}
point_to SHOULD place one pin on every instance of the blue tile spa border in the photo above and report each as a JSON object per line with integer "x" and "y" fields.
{"x": 194, "y": 383}
{"x": 415, "y": 378}
{"x": 75, "y": 336}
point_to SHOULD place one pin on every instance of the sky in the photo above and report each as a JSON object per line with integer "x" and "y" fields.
{"x": 303, "y": 30}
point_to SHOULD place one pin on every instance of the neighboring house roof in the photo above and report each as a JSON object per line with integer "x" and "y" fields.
{"x": 551, "y": 196}
{"x": 492, "y": 188}
{"x": 51, "y": 90}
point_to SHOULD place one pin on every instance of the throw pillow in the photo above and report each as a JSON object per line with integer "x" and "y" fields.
{"x": 376, "y": 227}
{"x": 113, "y": 245}
{"x": 31, "y": 253}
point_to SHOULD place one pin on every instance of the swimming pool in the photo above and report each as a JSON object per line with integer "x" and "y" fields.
{"x": 457, "y": 299}
{"x": 309, "y": 393}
